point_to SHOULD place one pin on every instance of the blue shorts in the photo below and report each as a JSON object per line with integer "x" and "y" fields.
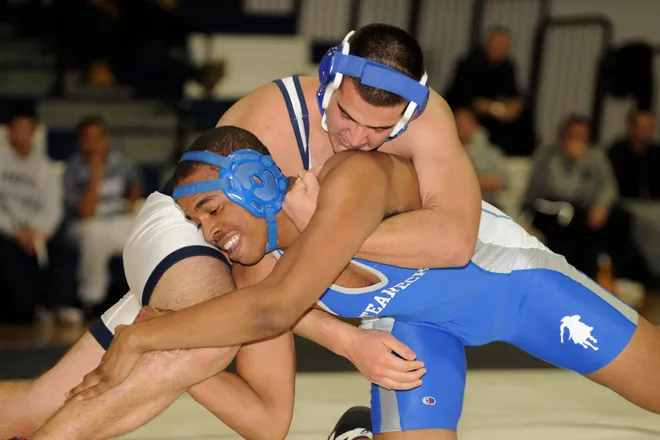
{"x": 571, "y": 323}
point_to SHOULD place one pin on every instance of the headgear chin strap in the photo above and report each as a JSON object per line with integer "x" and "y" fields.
{"x": 337, "y": 62}
{"x": 248, "y": 179}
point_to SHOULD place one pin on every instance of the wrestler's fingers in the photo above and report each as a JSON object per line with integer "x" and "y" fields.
{"x": 89, "y": 381}
{"x": 404, "y": 380}
{"x": 310, "y": 180}
{"x": 398, "y": 347}
{"x": 389, "y": 384}
{"x": 317, "y": 170}
{"x": 299, "y": 184}
{"x": 403, "y": 365}
{"x": 92, "y": 392}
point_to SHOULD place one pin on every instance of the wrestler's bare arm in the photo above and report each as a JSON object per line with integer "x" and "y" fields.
{"x": 443, "y": 233}
{"x": 264, "y": 113}
{"x": 257, "y": 402}
{"x": 359, "y": 192}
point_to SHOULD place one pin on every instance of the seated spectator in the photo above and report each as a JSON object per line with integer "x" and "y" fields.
{"x": 30, "y": 212}
{"x": 572, "y": 196}
{"x": 487, "y": 159}
{"x": 636, "y": 159}
{"x": 160, "y": 30}
{"x": 485, "y": 81}
{"x": 89, "y": 35}
{"x": 102, "y": 189}
{"x": 136, "y": 43}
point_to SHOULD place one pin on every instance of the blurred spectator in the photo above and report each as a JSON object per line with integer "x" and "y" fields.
{"x": 30, "y": 212}
{"x": 487, "y": 159}
{"x": 572, "y": 195}
{"x": 103, "y": 24}
{"x": 102, "y": 189}
{"x": 159, "y": 31}
{"x": 89, "y": 35}
{"x": 485, "y": 81}
{"x": 139, "y": 43}
{"x": 636, "y": 159}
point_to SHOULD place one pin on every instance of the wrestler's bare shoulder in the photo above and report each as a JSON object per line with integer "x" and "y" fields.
{"x": 435, "y": 124}
{"x": 264, "y": 113}
{"x": 265, "y": 103}
{"x": 262, "y": 105}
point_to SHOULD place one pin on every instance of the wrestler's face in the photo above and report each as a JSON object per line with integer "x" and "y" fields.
{"x": 225, "y": 224}
{"x": 354, "y": 124}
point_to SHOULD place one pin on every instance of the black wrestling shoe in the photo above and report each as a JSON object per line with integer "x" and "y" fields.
{"x": 353, "y": 425}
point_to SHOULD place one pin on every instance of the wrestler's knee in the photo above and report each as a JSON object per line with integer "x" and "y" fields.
{"x": 211, "y": 361}
{"x": 22, "y": 428}
{"x": 633, "y": 373}
{"x": 23, "y": 417}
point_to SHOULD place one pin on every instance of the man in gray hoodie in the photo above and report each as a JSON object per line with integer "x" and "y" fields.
{"x": 30, "y": 212}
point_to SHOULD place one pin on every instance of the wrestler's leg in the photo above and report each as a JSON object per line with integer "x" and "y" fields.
{"x": 572, "y": 322}
{"x": 25, "y": 406}
{"x": 633, "y": 374}
{"x": 431, "y": 411}
{"x": 160, "y": 378}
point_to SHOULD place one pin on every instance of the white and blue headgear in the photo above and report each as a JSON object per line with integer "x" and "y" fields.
{"x": 247, "y": 178}
{"x": 337, "y": 62}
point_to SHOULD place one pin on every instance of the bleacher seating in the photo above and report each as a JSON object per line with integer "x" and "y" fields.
{"x": 252, "y": 61}
{"x": 262, "y": 40}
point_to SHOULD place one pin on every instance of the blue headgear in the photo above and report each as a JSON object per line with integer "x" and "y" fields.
{"x": 337, "y": 62}
{"x": 248, "y": 179}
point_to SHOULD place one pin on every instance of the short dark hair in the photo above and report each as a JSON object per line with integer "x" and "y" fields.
{"x": 573, "y": 119}
{"x": 15, "y": 117}
{"x": 499, "y": 29}
{"x": 393, "y": 47}
{"x": 88, "y": 121}
{"x": 220, "y": 140}
{"x": 635, "y": 113}
{"x": 22, "y": 112}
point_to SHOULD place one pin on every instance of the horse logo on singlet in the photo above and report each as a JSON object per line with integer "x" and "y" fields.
{"x": 580, "y": 333}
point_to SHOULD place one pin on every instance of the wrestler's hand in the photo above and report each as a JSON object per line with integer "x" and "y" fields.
{"x": 300, "y": 202}
{"x": 374, "y": 354}
{"x": 115, "y": 367}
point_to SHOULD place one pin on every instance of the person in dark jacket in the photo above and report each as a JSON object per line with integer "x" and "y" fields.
{"x": 636, "y": 159}
{"x": 573, "y": 198}
{"x": 485, "y": 81}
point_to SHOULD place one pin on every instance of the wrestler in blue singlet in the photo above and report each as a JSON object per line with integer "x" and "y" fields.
{"x": 514, "y": 290}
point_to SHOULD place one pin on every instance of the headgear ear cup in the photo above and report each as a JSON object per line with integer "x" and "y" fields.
{"x": 412, "y": 112}
{"x": 247, "y": 178}
{"x": 329, "y": 79}
{"x": 338, "y": 62}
